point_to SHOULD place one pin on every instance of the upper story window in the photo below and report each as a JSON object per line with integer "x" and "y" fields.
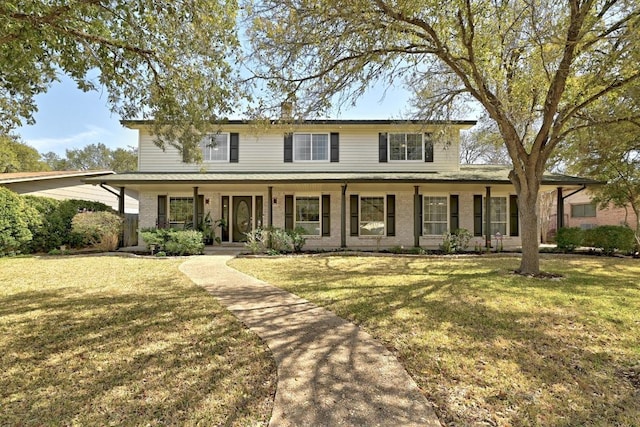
{"x": 215, "y": 148}
{"x": 311, "y": 147}
{"x": 415, "y": 147}
{"x": 584, "y": 210}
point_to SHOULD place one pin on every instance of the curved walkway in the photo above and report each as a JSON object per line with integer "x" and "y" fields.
{"x": 330, "y": 373}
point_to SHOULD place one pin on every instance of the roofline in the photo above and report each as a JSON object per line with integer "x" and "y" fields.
{"x": 273, "y": 177}
{"x": 134, "y": 123}
{"x": 52, "y": 176}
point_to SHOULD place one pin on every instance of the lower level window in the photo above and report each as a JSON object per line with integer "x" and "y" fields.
{"x": 372, "y": 216}
{"x": 435, "y": 215}
{"x": 308, "y": 215}
{"x": 499, "y": 215}
{"x": 585, "y": 210}
{"x": 180, "y": 211}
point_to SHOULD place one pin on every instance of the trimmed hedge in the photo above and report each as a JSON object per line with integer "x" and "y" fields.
{"x": 569, "y": 238}
{"x": 610, "y": 238}
{"x": 174, "y": 242}
{"x": 17, "y": 219}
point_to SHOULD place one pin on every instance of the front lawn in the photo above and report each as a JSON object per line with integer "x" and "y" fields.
{"x": 488, "y": 347}
{"x": 122, "y": 341}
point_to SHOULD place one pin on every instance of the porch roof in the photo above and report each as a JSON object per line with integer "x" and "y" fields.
{"x": 468, "y": 174}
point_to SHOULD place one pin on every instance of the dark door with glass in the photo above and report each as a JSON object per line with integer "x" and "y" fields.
{"x": 241, "y": 217}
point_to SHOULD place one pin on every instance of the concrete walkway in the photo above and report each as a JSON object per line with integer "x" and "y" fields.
{"x": 330, "y": 373}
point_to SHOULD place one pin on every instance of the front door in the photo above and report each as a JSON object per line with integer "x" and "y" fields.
{"x": 241, "y": 217}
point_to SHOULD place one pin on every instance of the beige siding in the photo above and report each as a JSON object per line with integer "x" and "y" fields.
{"x": 264, "y": 152}
{"x": 73, "y": 188}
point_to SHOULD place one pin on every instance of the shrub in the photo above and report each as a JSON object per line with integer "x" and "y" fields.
{"x": 16, "y": 221}
{"x": 174, "y": 242}
{"x": 58, "y": 229}
{"x": 458, "y": 241}
{"x": 45, "y": 207}
{"x": 569, "y": 238}
{"x": 257, "y": 240}
{"x": 98, "y": 229}
{"x": 275, "y": 240}
{"x": 297, "y": 239}
{"x": 610, "y": 238}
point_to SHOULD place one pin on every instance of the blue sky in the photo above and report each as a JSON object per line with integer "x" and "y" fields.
{"x": 69, "y": 118}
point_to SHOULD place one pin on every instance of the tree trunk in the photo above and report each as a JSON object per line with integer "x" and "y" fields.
{"x": 527, "y": 190}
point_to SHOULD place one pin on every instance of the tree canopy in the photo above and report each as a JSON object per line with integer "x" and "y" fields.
{"x": 167, "y": 60}
{"x": 17, "y": 156}
{"x": 95, "y": 157}
{"x": 534, "y": 67}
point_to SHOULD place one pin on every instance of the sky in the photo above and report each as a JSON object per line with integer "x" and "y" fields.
{"x": 69, "y": 118}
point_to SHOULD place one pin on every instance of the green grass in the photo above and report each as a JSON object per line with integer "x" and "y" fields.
{"x": 123, "y": 341}
{"x": 488, "y": 347}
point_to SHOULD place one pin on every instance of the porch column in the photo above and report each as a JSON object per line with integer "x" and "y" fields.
{"x": 121, "y": 212}
{"x": 487, "y": 216}
{"x": 559, "y": 209}
{"x": 270, "y": 210}
{"x": 416, "y": 216}
{"x": 343, "y": 217}
{"x": 195, "y": 208}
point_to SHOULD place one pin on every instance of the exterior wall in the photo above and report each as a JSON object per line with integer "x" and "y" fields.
{"x": 263, "y": 151}
{"x": 608, "y": 216}
{"x": 404, "y": 217}
{"x": 73, "y": 188}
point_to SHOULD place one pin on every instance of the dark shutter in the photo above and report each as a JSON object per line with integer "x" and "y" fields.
{"x": 382, "y": 147}
{"x": 335, "y": 147}
{"x": 288, "y": 148}
{"x": 259, "y": 212}
{"x": 353, "y": 212}
{"x": 326, "y": 215}
{"x": 161, "y": 222}
{"x": 225, "y": 216}
{"x": 391, "y": 215}
{"x": 234, "y": 142}
{"x": 200, "y": 209}
{"x": 288, "y": 212}
{"x": 514, "y": 217}
{"x": 428, "y": 148}
{"x": 454, "y": 217}
{"x": 477, "y": 215}
{"x": 420, "y": 213}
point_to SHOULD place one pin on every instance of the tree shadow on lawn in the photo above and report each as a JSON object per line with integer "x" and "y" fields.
{"x": 455, "y": 334}
{"x": 163, "y": 357}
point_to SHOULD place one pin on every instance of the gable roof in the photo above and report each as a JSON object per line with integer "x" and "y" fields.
{"x": 8, "y": 178}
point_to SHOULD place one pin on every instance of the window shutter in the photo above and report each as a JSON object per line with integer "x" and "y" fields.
{"x": 326, "y": 215}
{"x": 161, "y": 221}
{"x": 259, "y": 212}
{"x": 428, "y": 148}
{"x": 288, "y": 212}
{"x": 288, "y": 148}
{"x": 234, "y": 142}
{"x": 391, "y": 215}
{"x": 200, "y": 209}
{"x": 382, "y": 147}
{"x": 353, "y": 211}
{"x": 225, "y": 216}
{"x": 335, "y": 147}
{"x": 419, "y": 223}
{"x": 514, "y": 217}
{"x": 454, "y": 218}
{"x": 477, "y": 215}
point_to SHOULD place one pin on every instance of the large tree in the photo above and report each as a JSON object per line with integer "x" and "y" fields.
{"x": 534, "y": 66}
{"x": 169, "y": 60}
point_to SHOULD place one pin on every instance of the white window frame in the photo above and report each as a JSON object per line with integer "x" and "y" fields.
{"x": 295, "y": 212}
{"x": 179, "y": 223}
{"x": 493, "y": 221}
{"x": 294, "y": 143}
{"x": 424, "y": 211}
{"x": 384, "y": 214}
{"x": 207, "y": 149}
{"x": 582, "y": 205}
{"x": 405, "y": 160}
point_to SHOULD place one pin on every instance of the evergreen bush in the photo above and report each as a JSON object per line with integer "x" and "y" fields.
{"x": 610, "y": 238}
{"x": 569, "y": 238}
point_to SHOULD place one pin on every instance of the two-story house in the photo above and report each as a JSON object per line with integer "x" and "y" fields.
{"x": 348, "y": 183}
